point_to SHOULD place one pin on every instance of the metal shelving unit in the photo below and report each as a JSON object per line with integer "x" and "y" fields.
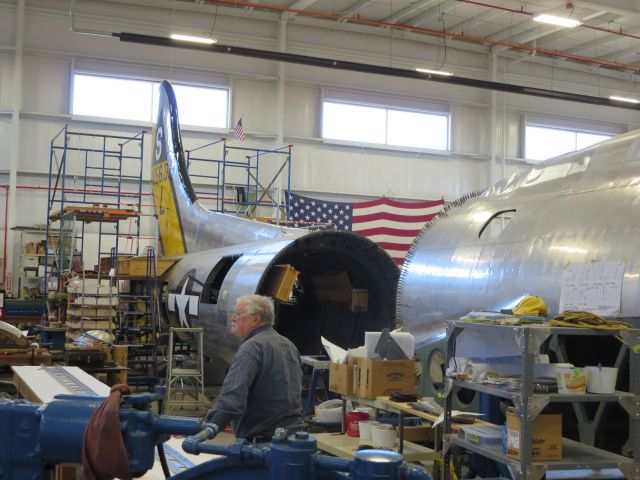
{"x": 138, "y": 324}
{"x": 528, "y": 405}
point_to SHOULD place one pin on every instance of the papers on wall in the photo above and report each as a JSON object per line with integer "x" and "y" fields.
{"x": 592, "y": 286}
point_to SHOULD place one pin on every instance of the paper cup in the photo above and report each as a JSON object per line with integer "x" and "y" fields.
{"x": 365, "y": 427}
{"x": 383, "y": 436}
{"x": 601, "y": 379}
{"x": 353, "y": 420}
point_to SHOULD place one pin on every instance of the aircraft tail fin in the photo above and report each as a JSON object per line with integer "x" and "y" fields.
{"x": 172, "y": 189}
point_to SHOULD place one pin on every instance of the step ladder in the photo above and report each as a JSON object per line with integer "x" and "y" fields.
{"x": 185, "y": 373}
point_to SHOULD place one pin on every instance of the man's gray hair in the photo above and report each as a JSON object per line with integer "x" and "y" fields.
{"x": 259, "y": 305}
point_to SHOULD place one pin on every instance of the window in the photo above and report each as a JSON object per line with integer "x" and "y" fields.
{"x": 385, "y": 126}
{"x": 137, "y": 100}
{"x": 542, "y": 143}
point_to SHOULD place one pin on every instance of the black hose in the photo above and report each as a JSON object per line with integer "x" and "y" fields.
{"x": 163, "y": 460}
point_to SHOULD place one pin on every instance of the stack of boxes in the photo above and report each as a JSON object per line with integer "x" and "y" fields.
{"x": 33, "y": 267}
{"x": 369, "y": 378}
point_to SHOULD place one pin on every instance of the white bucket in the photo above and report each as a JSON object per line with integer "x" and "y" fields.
{"x": 601, "y": 379}
{"x": 329, "y": 411}
{"x": 365, "y": 427}
{"x": 383, "y": 436}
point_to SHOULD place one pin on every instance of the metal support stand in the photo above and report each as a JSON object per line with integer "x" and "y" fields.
{"x": 320, "y": 371}
{"x": 185, "y": 381}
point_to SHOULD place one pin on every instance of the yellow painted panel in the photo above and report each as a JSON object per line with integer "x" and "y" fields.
{"x": 167, "y": 211}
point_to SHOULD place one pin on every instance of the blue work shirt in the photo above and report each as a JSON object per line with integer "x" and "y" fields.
{"x": 262, "y": 390}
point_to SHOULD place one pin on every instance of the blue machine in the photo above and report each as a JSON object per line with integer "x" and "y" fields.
{"x": 35, "y": 438}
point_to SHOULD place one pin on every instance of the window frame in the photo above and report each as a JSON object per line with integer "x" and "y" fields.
{"x": 387, "y": 103}
{"x": 565, "y": 126}
{"x": 149, "y": 123}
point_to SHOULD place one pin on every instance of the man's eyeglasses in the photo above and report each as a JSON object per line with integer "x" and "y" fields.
{"x": 236, "y": 314}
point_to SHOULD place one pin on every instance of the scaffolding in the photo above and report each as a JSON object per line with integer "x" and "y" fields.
{"x": 237, "y": 183}
{"x": 93, "y": 179}
{"x": 88, "y": 177}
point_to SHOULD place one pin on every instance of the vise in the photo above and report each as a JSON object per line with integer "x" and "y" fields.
{"x": 35, "y": 438}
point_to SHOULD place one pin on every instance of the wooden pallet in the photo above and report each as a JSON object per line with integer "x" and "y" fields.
{"x": 89, "y": 214}
{"x": 25, "y": 357}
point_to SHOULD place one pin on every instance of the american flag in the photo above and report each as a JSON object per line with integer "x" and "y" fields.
{"x": 390, "y": 223}
{"x": 238, "y": 130}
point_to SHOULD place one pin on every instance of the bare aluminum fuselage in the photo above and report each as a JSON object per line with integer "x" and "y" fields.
{"x": 580, "y": 207}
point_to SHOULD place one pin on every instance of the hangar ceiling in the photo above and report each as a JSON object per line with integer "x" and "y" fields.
{"x": 607, "y": 38}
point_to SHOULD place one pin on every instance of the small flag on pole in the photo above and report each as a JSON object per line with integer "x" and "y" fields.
{"x": 238, "y": 130}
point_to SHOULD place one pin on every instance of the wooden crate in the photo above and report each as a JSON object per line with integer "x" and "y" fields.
{"x": 280, "y": 281}
{"x": 137, "y": 266}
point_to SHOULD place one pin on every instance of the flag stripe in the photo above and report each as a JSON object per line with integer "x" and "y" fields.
{"x": 400, "y": 247}
{"x": 369, "y": 232}
{"x": 389, "y": 239}
{"x": 359, "y": 224}
{"x": 357, "y": 209}
{"x": 396, "y": 203}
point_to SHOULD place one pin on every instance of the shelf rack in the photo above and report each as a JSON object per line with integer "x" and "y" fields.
{"x": 528, "y": 405}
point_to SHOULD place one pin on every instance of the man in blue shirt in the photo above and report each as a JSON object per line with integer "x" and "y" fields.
{"x": 263, "y": 387}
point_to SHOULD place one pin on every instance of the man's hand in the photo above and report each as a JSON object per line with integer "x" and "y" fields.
{"x": 207, "y": 424}
{"x": 207, "y": 431}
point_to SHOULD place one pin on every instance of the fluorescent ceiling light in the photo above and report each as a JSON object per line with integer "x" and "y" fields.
{"x": 624, "y": 99}
{"x": 558, "y": 21}
{"x": 191, "y": 38}
{"x": 434, "y": 72}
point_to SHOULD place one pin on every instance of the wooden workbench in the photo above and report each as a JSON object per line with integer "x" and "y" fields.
{"x": 344, "y": 446}
{"x": 405, "y": 408}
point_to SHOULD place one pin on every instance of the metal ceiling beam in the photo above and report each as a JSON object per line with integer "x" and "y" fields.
{"x": 621, "y": 7}
{"x": 373, "y": 69}
{"x": 432, "y": 13}
{"x": 466, "y": 25}
{"x": 410, "y": 9}
{"x": 635, "y": 50}
{"x": 539, "y": 31}
{"x": 299, "y": 5}
{"x": 601, "y": 41}
{"x": 354, "y": 7}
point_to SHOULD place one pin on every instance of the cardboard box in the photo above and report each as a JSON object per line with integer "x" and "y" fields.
{"x": 333, "y": 288}
{"x": 31, "y": 249}
{"x": 41, "y": 271}
{"x": 546, "y": 437}
{"x": 341, "y": 378}
{"x": 30, "y": 261}
{"x": 31, "y": 272}
{"x": 419, "y": 433}
{"x": 377, "y": 378}
{"x": 280, "y": 281}
{"x": 137, "y": 266}
{"x": 359, "y": 300}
